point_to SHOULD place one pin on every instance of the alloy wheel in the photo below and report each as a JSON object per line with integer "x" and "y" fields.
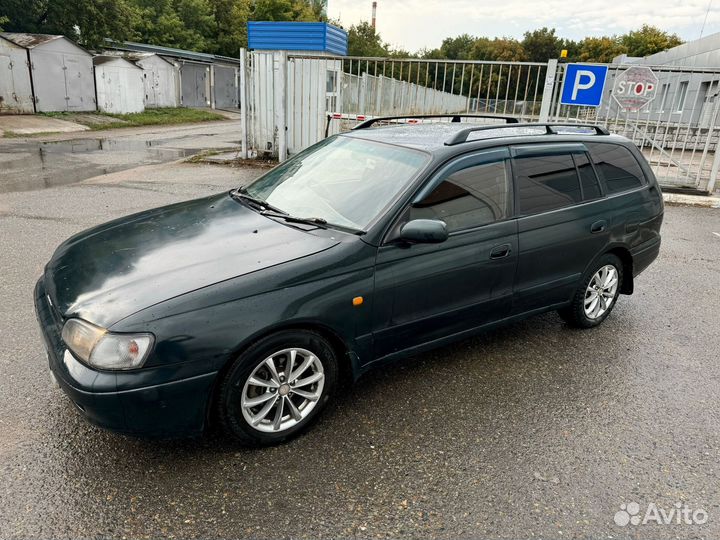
{"x": 601, "y": 292}
{"x": 282, "y": 390}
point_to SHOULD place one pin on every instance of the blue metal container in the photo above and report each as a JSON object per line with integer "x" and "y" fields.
{"x": 297, "y": 36}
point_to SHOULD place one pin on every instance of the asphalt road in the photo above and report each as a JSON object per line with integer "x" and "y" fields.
{"x": 531, "y": 430}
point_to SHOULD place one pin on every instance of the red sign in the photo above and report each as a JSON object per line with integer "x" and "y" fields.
{"x": 634, "y": 88}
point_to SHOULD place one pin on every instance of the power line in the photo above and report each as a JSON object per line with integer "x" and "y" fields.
{"x": 706, "y": 16}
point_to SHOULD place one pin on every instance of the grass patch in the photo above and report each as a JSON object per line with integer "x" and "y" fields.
{"x": 149, "y": 117}
{"x": 200, "y": 158}
{"x": 15, "y": 135}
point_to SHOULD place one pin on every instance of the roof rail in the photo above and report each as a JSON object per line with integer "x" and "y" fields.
{"x": 455, "y": 118}
{"x": 462, "y": 135}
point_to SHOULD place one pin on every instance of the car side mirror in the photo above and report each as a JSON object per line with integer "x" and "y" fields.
{"x": 424, "y": 231}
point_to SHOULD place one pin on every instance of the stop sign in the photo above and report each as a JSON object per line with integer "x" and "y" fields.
{"x": 634, "y": 88}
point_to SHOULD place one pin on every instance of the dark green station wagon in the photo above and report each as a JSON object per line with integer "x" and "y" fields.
{"x": 245, "y": 308}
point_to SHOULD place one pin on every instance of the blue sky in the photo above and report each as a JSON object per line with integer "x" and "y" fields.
{"x": 414, "y": 24}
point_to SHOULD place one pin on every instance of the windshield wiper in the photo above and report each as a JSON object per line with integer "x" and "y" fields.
{"x": 258, "y": 204}
{"x": 295, "y": 219}
{"x": 320, "y": 222}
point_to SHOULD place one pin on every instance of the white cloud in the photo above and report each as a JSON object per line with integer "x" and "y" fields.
{"x": 414, "y": 24}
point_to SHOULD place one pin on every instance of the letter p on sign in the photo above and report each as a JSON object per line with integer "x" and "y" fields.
{"x": 583, "y": 85}
{"x": 579, "y": 84}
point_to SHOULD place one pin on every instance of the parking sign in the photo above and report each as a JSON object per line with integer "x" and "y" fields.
{"x": 583, "y": 85}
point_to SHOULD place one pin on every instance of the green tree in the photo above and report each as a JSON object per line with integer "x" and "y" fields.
{"x": 499, "y": 49}
{"x": 185, "y": 24}
{"x": 572, "y": 47}
{"x": 285, "y": 10}
{"x": 458, "y": 48}
{"x": 600, "y": 49}
{"x": 648, "y": 40}
{"x": 542, "y": 44}
{"x": 3, "y": 20}
{"x": 231, "y": 35}
{"x": 363, "y": 40}
{"x": 86, "y": 21}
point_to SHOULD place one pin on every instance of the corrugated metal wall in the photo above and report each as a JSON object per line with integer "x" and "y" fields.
{"x": 261, "y": 103}
{"x": 297, "y": 36}
{"x": 311, "y": 86}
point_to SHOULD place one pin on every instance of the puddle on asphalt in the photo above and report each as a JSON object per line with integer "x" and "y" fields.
{"x": 30, "y": 166}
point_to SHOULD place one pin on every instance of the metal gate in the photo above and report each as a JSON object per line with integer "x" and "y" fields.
{"x": 677, "y": 131}
{"x": 295, "y": 100}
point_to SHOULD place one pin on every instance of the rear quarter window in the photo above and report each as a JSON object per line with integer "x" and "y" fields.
{"x": 616, "y": 166}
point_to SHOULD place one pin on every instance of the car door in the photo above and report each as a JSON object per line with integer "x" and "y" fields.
{"x": 425, "y": 292}
{"x": 563, "y": 221}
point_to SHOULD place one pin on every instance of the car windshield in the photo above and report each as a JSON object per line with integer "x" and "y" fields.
{"x": 342, "y": 180}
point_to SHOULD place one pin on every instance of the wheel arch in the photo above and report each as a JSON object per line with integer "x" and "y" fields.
{"x": 628, "y": 285}
{"x": 346, "y": 365}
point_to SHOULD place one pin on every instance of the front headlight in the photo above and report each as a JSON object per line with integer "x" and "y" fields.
{"x": 103, "y": 349}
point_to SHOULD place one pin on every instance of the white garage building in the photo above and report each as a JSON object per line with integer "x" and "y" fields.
{"x": 161, "y": 79}
{"x": 119, "y": 85}
{"x": 15, "y": 87}
{"x": 61, "y": 72}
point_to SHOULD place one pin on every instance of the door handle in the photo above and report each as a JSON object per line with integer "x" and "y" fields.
{"x": 598, "y": 226}
{"x": 501, "y": 251}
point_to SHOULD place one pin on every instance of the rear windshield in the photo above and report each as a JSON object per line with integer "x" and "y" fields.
{"x": 616, "y": 166}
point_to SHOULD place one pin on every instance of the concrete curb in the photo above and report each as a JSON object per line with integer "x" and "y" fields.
{"x": 680, "y": 199}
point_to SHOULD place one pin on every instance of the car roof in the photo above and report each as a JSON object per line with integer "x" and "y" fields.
{"x": 432, "y": 136}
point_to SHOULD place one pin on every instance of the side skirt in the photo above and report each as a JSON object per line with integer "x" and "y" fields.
{"x": 459, "y": 336}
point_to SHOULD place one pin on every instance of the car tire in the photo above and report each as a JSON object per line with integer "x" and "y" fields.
{"x": 264, "y": 401}
{"x": 597, "y": 294}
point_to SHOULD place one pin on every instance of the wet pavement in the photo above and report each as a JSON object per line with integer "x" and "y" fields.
{"x": 28, "y": 164}
{"x": 534, "y": 429}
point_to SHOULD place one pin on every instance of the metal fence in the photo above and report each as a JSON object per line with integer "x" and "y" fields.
{"x": 321, "y": 95}
{"x": 678, "y": 131}
{"x": 291, "y": 101}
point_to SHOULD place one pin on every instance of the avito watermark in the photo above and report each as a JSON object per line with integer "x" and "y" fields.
{"x": 678, "y": 514}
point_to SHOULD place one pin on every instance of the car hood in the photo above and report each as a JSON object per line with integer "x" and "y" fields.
{"x": 111, "y": 271}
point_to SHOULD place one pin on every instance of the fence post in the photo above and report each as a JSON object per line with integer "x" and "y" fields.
{"x": 243, "y": 94}
{"x": 715, "y": 164}
{"x": 212, "y": 86}
{"x": 363, "y": 93}
{"x": 548, "y": 90}
{"x": 280, "y": 91}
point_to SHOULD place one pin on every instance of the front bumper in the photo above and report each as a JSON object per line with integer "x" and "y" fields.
{"x": 160, "y": 403}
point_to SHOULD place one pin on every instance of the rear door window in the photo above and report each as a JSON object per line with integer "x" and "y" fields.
{"x": 617, "y": 167}
{"x": 546, "y": 182}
